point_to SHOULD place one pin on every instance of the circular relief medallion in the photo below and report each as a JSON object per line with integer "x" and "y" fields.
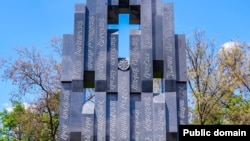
{"x": 123, "y": 64}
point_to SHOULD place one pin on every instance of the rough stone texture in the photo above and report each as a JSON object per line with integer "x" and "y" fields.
{"x": 135, "y": 117}
{"x": 79, "y": 39}
{"x": 159, "y": 117}
{"x": 112, "y": 63}
{"x": 135, "y": 61}
{"x": 100, "y": 116}
{"x": 88, "y": 121}
{"x": 182, "y": 103}
{"x": 147, "y": 114}
{"x": 112, "y": 119}
{"x": 124, "y": 106}
{"x": 64, "y": 113}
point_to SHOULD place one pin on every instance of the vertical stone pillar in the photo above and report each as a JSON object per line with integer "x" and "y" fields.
{"x": 112, "y": 117}
{"x": 64, "y": 127}
{"x": 112, "y": 61}
{"x": 124, "y": 106}
{"x": 181, "y": 79}
{"x": 135, "y": 117}
{"x": 135, "y": 61}
{"x": 88, "y": 121}
{"x": 170, "y": 71}
{"x": 101, "y": 70}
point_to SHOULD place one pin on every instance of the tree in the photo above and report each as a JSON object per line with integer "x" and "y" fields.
{"x": 210, "y": 85}
{"x": 11, "y": 125}
{"x": 37, "y": 75}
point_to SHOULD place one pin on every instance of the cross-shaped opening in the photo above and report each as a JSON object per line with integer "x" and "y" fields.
{"x": 123, "y": 27}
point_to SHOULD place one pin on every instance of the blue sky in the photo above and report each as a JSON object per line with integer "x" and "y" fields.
{"x": 34, "y": 22}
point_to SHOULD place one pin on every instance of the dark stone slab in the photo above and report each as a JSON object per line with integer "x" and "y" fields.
{"x": 182, "y": 103}
{"x": 135, "y": 117}
{"x": 112, "y": 63}
{"x": 135, "y": 16}
{"x": 159, "y": 117}
{"x": 75, "y": 136}
{"x": 147, "y": 116}
{"x": 135, "y": 61}
{"x": 147, "y": 85}
{"x": 181, "y": 67}
{"x": 124, "y": 107}
{"x": 123, "y": 6}
{"x": 171, "y": 112}
{"x": 112, "y": 111}
{"x": 100, "y": 85}
{"x": 158, "y": 68}
{"x": 100, "y": 116}
{"x": 68, "y": 44}
{"x": 170, "y": 86}
{"x": 89, "y": 79}
{"x": 76, "y": 111}
{"x": 172, "y": 136}
{"x": 113, "y": 14}
{"x": 88, "y": 121}
{"x": 79, "y": 39}
{"x": 77, "y": 86}
{"x": 64, "y": 112}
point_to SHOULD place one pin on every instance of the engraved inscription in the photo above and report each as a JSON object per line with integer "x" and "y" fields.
{"x": 124, "y": 125}
{"x": 112, "y": 118}
{"x": 101, "y": 32}
{"x": 135, "y": 52}
{"x": 135, "y": 79}
{"x": 91, "y": 42}
{"x": 148, "y": 113}
{"x": 79, "y": 38}
{"x": 87, "y": 129}
{"x": 77, "y": 68}
{"x": 100, "y": 113}
{"x": 124, "y": 92}
{"x": 169, "y": 24}
{"x": 170, "y": 69}
{"x": 182, "y": 105}
{"x": 147, "y": 33}
{"x": 136, "y": 134}
{"x": 113, "y": 52}
{"x": 65, "y": 130}
{"x": 147, "y": 65}
{"x": 113, "y": 76}
{"x": 160, "y": 122}
{"x": 101, "y": 66}
{"x": 65, "y": 105}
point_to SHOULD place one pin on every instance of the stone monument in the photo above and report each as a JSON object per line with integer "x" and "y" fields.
{"x": 139, "y": 98}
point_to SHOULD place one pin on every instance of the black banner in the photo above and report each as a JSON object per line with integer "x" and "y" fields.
{"x": 198, "y": 132}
